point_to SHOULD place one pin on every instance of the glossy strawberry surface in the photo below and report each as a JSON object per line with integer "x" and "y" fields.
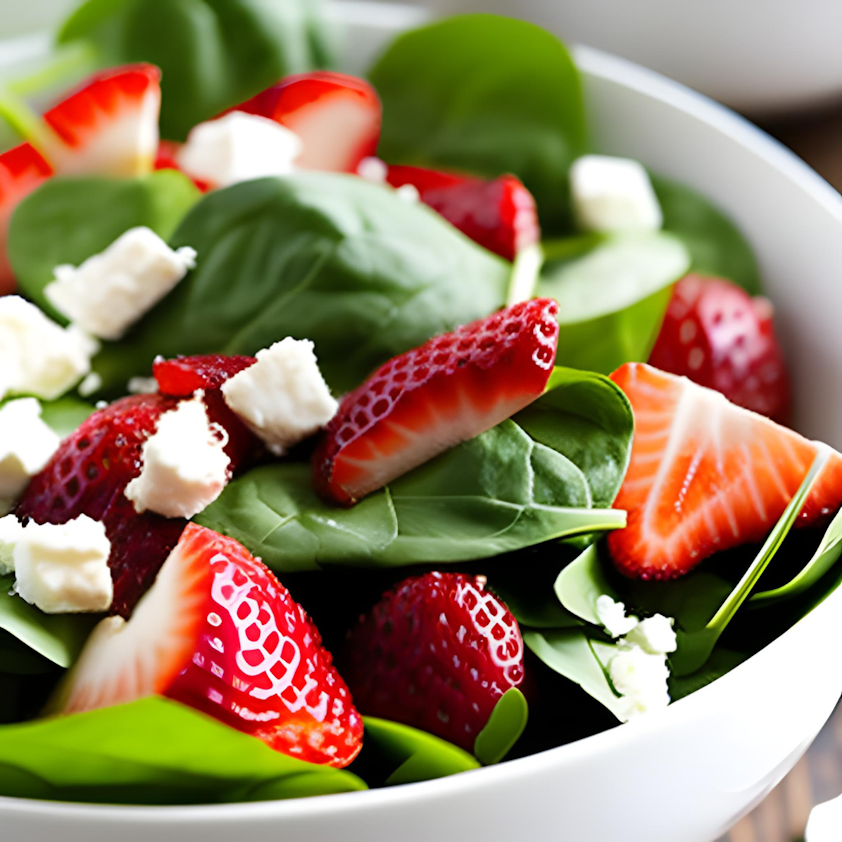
{"x": 182, "y": 376}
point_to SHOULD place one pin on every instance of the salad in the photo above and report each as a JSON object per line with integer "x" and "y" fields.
{"x": 358, "y": 432}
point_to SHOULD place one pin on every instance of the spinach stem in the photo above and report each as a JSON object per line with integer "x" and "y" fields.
{"x": 28, "y": 124}
{"x": 525, "y": 272}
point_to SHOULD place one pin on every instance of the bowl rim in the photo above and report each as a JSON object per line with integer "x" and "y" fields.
{"x": 600, "y": 65}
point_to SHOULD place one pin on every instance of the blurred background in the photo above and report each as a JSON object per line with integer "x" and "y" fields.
{"x": 779, "y": 63}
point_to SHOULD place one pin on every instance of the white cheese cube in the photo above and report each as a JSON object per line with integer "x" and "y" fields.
{"x": 10, "y": 532}
{"x": 238, "y": 147}
{"x": 654, "y": 635}
{"x": 283, "y": 397}
{"x": 37, "y": 356}
{"x": 26, "y": 445}
{"x": 185, "y": 466}
{"x": 641, "y": 679}
{"x": 613, "y": 195}
{"x": 63, "y": 568}
{"x": 110, "y": 291}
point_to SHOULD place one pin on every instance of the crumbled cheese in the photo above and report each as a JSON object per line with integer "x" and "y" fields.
{"x": 613, "y": 194}
{"x": 91, "y": 384}
{"x": 10, "y": 532}
{"x": 185, "y": 466}
{"x": 26, "y": 445}
{"x": 142, "y": 386}
{"x": 283, "y": 397}
{"x": 654, "y": 635}
{"x": 63, "y": 568}
{"x": 38, "y": 356}
{"x": 110, "y": 291}
{"x": 612, "y": 615}
{"x": 408, "y": 193}
{"x": 373, "y": 169}
{"x": 238, "y": 147}
{"x": 640, "y": 678}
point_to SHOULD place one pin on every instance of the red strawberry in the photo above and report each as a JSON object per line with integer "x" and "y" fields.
{"x": 718, "y": 336}
{"x": 436, "y": 653}
{"x": 336, "y": 116}
{"x": 167, "y": 159}
{"x": 184, "y": 375}
{"x": 110, "y": 125}
{"x": 217, "y": 631}
{"x": 423, "y": 402}
{"x": 22, "y": 169}
{"x": 499, "y": 215}
{"x": 705, "y": 475}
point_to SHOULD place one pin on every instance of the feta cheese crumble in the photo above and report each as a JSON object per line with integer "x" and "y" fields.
{"x": 63, "y": 568}
{"x": 185, "y": 466}
{"x": 612, "y": 616}
{"x": 238, "y": 147}
{"x": 39, "y": 357}
{"x": 283, "y": 397}
{"x": 26, "y": 445}
{"x": 613, "y": 194}
{"x": 10, "y": 532}
{"x": 373, "y": 169}
{"x": 654, "y": 635}
{"x": 142, "y": 386}
{"x": 408, "y": 193}
{"x": 110, "y": 291}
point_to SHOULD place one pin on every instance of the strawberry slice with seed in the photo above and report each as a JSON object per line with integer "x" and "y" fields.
{"x": 423, "y": 402}
{"x": 499, "y": 215}
{"x": 336, "y": 116}
{"x": 706, "y": 475}
{"x": 218, "y": 632}
{"x": 182, "y": 376}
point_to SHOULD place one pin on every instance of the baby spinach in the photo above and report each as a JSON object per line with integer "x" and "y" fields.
{"x": 613, "y": 299}
{"x": 503, "y": 729}
{"x": 396, "y": 754}
{"x": 213, "y": 53}
{"x": 65, "y": 414}
{"x": 327, "y": 257}
{"x": 67, "y": 220}
{"x": 152, "y": 751}
{"x": 488, "y": 95}
{"x": 498, "y": 492}
{"x": 716, "y": 244}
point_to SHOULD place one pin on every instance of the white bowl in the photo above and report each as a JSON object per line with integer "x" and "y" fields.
{"x": 761, "y": 56}
{"x": 682, "y": 776}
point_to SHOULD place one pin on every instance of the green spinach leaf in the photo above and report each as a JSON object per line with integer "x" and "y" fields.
{"x": 152, "y": 751}
{"x": 612, "y": 301}
{"x": 716, "y": 244}
{"x": 495, "y": 493}
{"x": 396, "y": 754}
{"x": 489, "y": 95}
{"x": 321, "y": 256}
{"x": 503, "y": 729}
{"x": 67, "y": 220}
{"x": 213, "y": 53}
{"x": 65, "y": 414}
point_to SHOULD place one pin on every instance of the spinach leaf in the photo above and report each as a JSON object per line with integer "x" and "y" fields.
{"x": 489, "y": 95}
{"x": 57, "y": 637}
{"x": 67, "y": 220}
{"x": 152, "y": 751}
{"x": 716, "y": 244}
{"x": 612, "y": 301}
{"x": 503, "y": 729}
{"x": 65, "y": 414}
{"x": 495, "y": 493}
{"x": 589, "y": 419}
{"x": 321, "y": 256}
{"x": 213, "y": 53}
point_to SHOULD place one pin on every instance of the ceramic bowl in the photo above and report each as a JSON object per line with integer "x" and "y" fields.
{"x": 689, "y": 773}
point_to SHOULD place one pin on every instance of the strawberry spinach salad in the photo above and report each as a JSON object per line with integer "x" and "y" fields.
{"x": 358, "y": 433}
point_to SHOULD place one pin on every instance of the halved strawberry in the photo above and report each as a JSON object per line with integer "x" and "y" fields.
{"x": 110, "y": 125}
{"x": 423, "y": 402}
{"x": 716, "y": 334}
{"x": 336, "y": 116}
{"x": 500, "y": 215}
{"x": 182, "y": 376}
{"x": 217, "y": 631}
{"x": 22, "y": 169}
{"x": 705, "y": 475}
{"x": 436, "y": 653}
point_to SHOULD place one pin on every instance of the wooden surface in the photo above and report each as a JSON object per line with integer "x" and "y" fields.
{"x": 818, "y": 776}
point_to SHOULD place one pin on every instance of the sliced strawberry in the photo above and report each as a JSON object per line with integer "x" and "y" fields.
{"x": 716, "y": 334}
{"x": 500, "y": 215}
{"x": 110, "y": 125}
{"x": 167, "y": 159}
{"x": 436, "y": 653}
{"x": 182, "y": 376}
{"x": 423, "y": 402}
{"x": 336, "y": 116}
{"x": 217, "y": 631}
{"x": 705, "y": 475}
{"x": 22, "y": 169}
